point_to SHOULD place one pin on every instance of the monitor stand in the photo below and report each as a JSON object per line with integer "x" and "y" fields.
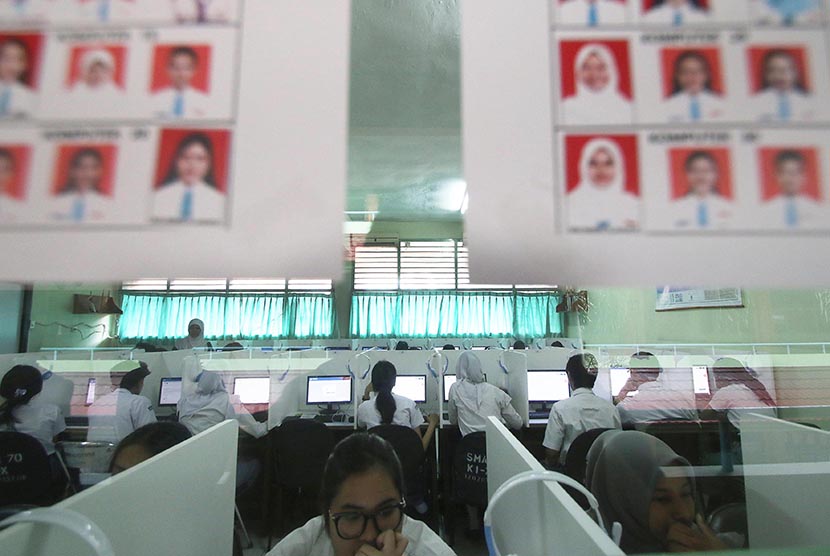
{"x": 326, "y": 414}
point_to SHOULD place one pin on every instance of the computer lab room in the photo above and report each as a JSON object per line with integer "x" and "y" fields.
{"x": 423, "y": 277}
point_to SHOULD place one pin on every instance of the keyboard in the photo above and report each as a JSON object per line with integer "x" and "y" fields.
{"x": 539, "y": 414}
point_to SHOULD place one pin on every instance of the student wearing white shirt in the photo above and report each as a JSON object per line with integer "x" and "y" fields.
{"x": 787, "y": 12}
{"x": 666, "y": 397}
{"x": 203, "y": 11}
{"x": 693, "y": 99}
{"x": 362, "y": 508}
{"x": 114, "y": 416}
{"x": 181, "y": 100}
{"x": 95, "y": 11}
{"x": 189, "y": 192}
{"x": 96, "y": 86}
{"x": 783, "y": 96}
{"x": 592, "y": 13}
{"x": 597, "y": 98}
{"x": 195, "y": 338}
{"x": 16, "y": 98}
{"x": 704, "y": 206}
{"x": 472, "y": 401}
{"x": 24, "y": 10}
{"x": 24, "y": 411}
{"x": 81, "y": 198}
{"x": 600, "y": 201}
{"x": 739, "y": 392}
{"x": 676, "y": 12}
{"x": 582, "y": 412}
{"x": 9, "y": 205}
{"x": 792, "y": 208}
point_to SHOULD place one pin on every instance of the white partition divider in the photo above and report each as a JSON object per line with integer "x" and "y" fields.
{"x": 536, "y": 518}
{"x": 787, "y": 478}
{"x": 180, "y": 502}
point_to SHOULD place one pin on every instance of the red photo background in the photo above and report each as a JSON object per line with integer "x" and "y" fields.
{"x": 119, "y": 54}
{"x": 201, "y": 78}
{"x": 668, "y": 56}
{"x": 766, "y": 169}
{"x": 627, "y": 144}
{"x": 755, "y": 57}
{"x": 648, "y": 4}
{"x": 677, "y": 161}
{"x": 34, "y": 45}
{"x": 569, "y": 50}
{"x": 22, "y": 155}
{"x": 64, "y": 158}
{"x": 170, "y": 139}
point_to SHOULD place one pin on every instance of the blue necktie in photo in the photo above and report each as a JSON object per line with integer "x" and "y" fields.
{"x": 79, "y": 209}
{"x": 178, "y": 105}
{"x": 5, "y": 101}
{"x": 702, "y": 215}
{"x": 678, "y": 18}
{"x": 20, "y": 6}
{"x": 186, "y": 212}
{"x": 784, "y": 109}
{"x": 104, "y": 10}
{"x": 792, "y": 213}
{"x": 593, "y": 15}
{"x": 694, "y": 109}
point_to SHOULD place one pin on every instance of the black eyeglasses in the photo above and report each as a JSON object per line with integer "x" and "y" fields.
{"x": 351, "y": 525}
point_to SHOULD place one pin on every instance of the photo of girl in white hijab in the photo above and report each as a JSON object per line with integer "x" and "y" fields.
{"x": 591, "y": 13}
{"x": 693, "y": 96}
{"x": 598, "y": 98}
{"x": 96, "y": 76}
{"x": 601, "y": 201}
{"x": 704, "y": 204}
{"x": 783, "y": 94}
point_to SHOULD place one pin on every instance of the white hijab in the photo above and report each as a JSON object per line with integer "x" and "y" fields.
{"x": 591, "y": 204}
{"x": 210, "y": 394}
{"x": 470, "y": 379}
{"x": 85, "y": 63}
{"x": 188, "y": 342}
{"x": 606, "y": 105}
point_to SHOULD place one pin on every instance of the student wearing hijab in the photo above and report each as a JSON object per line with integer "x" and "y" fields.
{"x": 783, "y": 95}
{"x": 362, "y": 508}
{"x": 582, "y": 412}
{"x": 676, "y": 13}
{"x": 189, "y": 191}
{"x": 114, "y": 416}
{"x": 472, "y": 401}
{"x": 644, "y": 486}
{"x": 600, "y": 201}
{"x": 386, "y": 408}
{"x": 597, "y": 98}
{"x": 195, "y": 338}
{"x": 704, "y": 205}
{"x": 81, "y": 198}
{"x": 96, "y": 70}
{"x": 739, "y": 392}
{"x": 24, "y": 410}
{"x": 145, "y": 443}
{"x": 16, "y": 98}
{"x": 693, "y": 98}
{"x": 787, "y": 12}
{"x": 592, "y": 13}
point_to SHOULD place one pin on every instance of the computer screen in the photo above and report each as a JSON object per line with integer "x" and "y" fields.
{"x": 413, "y": 387}
{"x": 619, "y": 376}
{"x": 252, "y": 389}
{"x": 547, "y": 386}
{"x": 449, "y": 380}
{"x": 170, "y": 390}
{"x": 90, "y": 391}
{"x": 329, "y": 389}
{"x": 700, "y": 379}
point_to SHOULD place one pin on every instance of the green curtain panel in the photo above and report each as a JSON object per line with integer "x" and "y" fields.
{"x": 260, "y": 316}
{"x": 419, "y": 314}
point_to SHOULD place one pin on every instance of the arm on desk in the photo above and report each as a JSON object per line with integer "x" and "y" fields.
{"x": 426, "y": 437}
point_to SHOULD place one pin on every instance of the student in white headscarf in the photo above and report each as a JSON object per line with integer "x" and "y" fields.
{"x": 783, "y": 96}
{"x": 601, "y": 201}
{"x": 195, "y": 336}
{"x": 472, "y": 401}
{"x": 597, "y": 98}
{"x": 96, "y": 69}
{"x": 647, "y": 488}
{"x": 676, "y": 13}
{"x": 592, "y": 13}
{"x": 693, "y": 98}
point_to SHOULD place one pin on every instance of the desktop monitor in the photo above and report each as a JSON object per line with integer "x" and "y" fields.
{"x": 90, "y": 391}
{"x": 170, "y": 390}
{"x": 413, "y": 387}
{"x": 449, "y": 380}
{"x": 547, "y": 386}
{"x": 700, "y": 379}
{"x": 619, "y": 376}
{"x": 252, "y": 389}
{"x": 333, "y": 389}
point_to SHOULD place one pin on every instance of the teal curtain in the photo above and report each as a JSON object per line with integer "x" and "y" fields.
{"x": 454, "y": 313}
{"x": 254, "y": 316}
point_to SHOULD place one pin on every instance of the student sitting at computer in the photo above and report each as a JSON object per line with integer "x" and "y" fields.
{"x": 739, "y": 392}
{"x": 386, "y": 408}
{"x": 471, "y": 400}
{"x": 146, "y": 442}
{"x": 362, "y": 508}
{"x": 114, "y": 416}
{"x": 629, "y": 473}
{"x": 665, "y": 395}
{"x": 583, "y": 411}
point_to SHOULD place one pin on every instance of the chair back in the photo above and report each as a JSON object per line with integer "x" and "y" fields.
{"x": 409, "y": 449}
{"x": 469, "y": 470}
{"x": 25, "y": 472}
{"x": 302, "y": 447}
{"x": 576, "y": 459}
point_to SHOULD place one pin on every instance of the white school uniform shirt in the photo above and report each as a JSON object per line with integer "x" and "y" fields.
{"x": 406, "y": 413}
{"x": 766, "y": 106}
{"x": 665, "y": 15}
{"x": 312, "y": 539}
{"x": 94, "y": 11}
{"x": 797, "y": 212}
{"x": 582, "y": 412}
{"x": 764, "y": 13}
{"x": 194, "y": 103}
{"x": 577, "y": 12}
{"x": 96, "y": 207}
{"x": 657, "y": 401}
{"x": 40, "y": 419}
{"x": 738, "y": 400}
{"x": 10, "y": 208}
{"x": 208, "y": 203}
{"x": 20, "y": 100}
{"x": 678, "y": 107}
{"x": 470, "y": 405}
{"x": 114, "y": 416}
{"x": 587, "y": 106}
{"x": 219, "y": 407}
{"x": 215, "y": 10}
{"x": 24, "y": 10}
{"x": 686, "y": 213}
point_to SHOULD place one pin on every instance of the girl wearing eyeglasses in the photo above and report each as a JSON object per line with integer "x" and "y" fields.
{"x": 362, "y": 508}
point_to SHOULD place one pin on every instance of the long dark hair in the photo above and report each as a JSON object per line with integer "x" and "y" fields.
{"x": 19, "y": 385}
{"x": 189, "y": 140}
{"x": 693, "y": 157}
{"x": 87, "y": 152}
{"x": 690, "y": 55}
{"x": 354, "y": 455}
{"x": 731, "y": 371}
{"x": 778, "y": 53}
{"x": 383, "y": 380}
{"x": 153, "y": 438}
{"x": 23, "y": 77}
